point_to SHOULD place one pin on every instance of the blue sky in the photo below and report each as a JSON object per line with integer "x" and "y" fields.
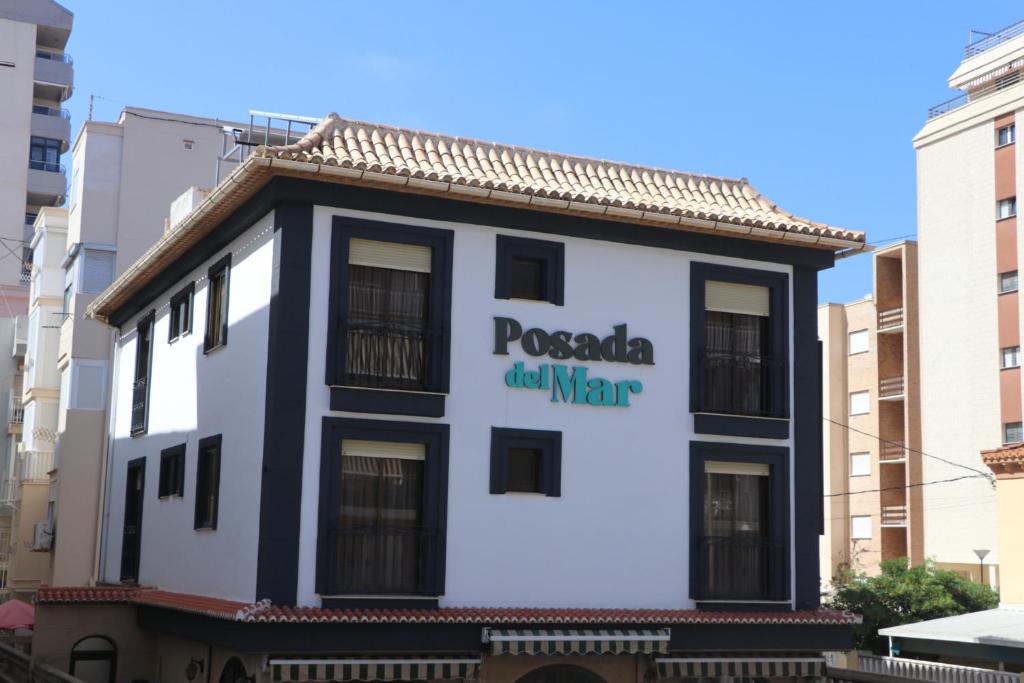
{"x": 815, "y": 102}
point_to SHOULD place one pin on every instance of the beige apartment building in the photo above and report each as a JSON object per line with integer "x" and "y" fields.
{"x": 872, "y": 434}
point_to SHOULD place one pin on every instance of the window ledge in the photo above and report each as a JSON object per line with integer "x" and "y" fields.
{"x": 387, "y": 401}
{"x": 741, "y": 425}
{"x": 208, "y": 351}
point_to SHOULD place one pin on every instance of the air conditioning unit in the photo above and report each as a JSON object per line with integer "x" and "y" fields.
{"x": 42, "y": 536}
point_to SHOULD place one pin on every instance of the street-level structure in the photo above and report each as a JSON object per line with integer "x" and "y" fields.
{"x": 396, "y": 405}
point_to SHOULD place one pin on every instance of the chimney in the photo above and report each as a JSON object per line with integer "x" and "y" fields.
{"x": 181, "y": 207}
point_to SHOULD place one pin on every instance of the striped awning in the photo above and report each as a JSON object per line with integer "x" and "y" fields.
{"x": 761, "y": 667}
{"x": 604, "y": 642}
{"x": 299, "y": 670}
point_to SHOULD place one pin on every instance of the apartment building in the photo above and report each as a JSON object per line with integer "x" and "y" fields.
{"x": 391, "y": 405}
{"x": 969, "y": 177}
{"x": 872, "y": 434}
{"x": 36, "y": 77}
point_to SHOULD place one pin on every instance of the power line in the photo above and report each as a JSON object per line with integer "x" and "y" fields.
{"x": 905, "y": 486}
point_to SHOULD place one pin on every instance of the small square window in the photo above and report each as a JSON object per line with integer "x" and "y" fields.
{"x": 172, "y": 472}
{"x": 860, "y": 403}
{"x": 1008, "y": 282}
{"x": 858, "y": 342}
{"x": 208, "y": 483}
{"x": 188, "y": 144}
{"x": 1006, "y": 208}
{"x": 529, "y": 269}
{"x": 526, "y": 461}
{"x": 860, "y": 464}
{"x": 180, "y": 322}
{"x": 1013, "y": 432}
{"x": 1010, "y": 357}
{"x": 1006, "y": 135}
{"x": 860, "y": 527}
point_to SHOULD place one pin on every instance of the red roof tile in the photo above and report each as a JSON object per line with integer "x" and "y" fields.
{"x": 265, "y": 613}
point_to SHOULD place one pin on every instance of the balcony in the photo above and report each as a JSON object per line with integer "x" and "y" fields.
{"x": 1002, "y": 83}
{"x": 993, "y": 39}
{"x": 741, "y": 384}
{"x": 891, "y": 388}
{"x": 739, "y": 568}
{"x": 35, "y": 466}
{"x": 47, "y": 183}
{"x": 387, "y": 356}
{"x": 890, "y": 320}
{"x": 9, "y": 492}
{"x": 933, "y": 672}
{"x": 51, "y": 123}
{"x": 892, "y": 452}
{"x": 894, "y": 515}
{"x": 15, "y": 414}
{"x": 54, "y": 76}
{"x": 20, "y": 336}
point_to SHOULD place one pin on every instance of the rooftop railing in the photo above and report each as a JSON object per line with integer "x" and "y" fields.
{"x": 1002, "y": 83}
{"x": 935, "y": 672}
{"x": 991, "y": 40}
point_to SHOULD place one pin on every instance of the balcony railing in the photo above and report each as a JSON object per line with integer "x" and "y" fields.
{"x": 388, "y": 355}
{"x": 140, "y": 399}
{"x": 894, "y": 515}
{"x": 891, "y": 387}
{"x": 48, "y": 166}
{"x": 890, "y": 318}
{"x": 949, "y": 105}
{"x": 738, "y": 568}
{"x": 54, "y": 56}
{"x": 35, "y": 465}
{"x": 990, "y": 41}
{"x": 892, "y": 450}
{"x": 935, "y": 672}
{"x": 740, "y": 384}
{"x": 51, "y": 111}
{"x": 9, "y": 492}
{"x": 16, "y": 411}
{"x": 381, "y": 560}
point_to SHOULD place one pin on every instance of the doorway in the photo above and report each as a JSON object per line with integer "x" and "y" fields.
{"x": 131, "y": 540}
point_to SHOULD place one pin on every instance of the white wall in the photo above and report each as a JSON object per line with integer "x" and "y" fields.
{"x": 618, "y": 535}
{"x": 17, "y": 45}
{"x": 194, "y": 396}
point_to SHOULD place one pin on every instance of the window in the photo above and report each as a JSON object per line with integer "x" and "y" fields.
{"x": 390, "y": 317}
{"x": 860, "y": 403}
{"x": 1006, "y": 135}
{"x": 739, "y": 350}
{"x": 1013, "y": 432}
{"x": 526, "y": 461}
{"x": 44, "y": 154}
{"x": 172, "y": 472}
{"x": 739, "y": 508}
{"x": 143, "y": 368}
{"x": 180, "y": 319}
{"x": 860, "y": 527}
{"x": 858, "y": 342}
{"x": 94, "y": 659}
{"x": 529, "y": 269}
{"x": 860, "y": 464}
{"x": 1008, "y": 282}
{"x": 97, "y": 270}
{"x": 208, "y": 483}
{"x": 383, "y": 502}
{"x": 1006, "y": 208}
{"x": 1010, "y": 357}
{"x": 217, "y": 305}
{"x": 188, "y": 144}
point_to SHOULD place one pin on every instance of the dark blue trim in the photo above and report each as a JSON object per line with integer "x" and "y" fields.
{"x": 222, "y": 265}
{"x": 548, "y": 442}
{"x": 734, "y": 425}
{"x": 355, "y": 400}
{"x": 552, "y": 254}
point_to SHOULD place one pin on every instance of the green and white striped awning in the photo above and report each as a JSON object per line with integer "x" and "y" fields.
{"x": 761, "y": 667}
{"x": 604, "y": 642}
{"x": 328, "y": 670}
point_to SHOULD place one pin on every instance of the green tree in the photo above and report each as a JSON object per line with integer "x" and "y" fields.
{"x": 902, "y": 594}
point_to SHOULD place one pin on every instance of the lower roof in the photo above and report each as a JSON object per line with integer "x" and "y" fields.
{"x": 1002, "y": 627}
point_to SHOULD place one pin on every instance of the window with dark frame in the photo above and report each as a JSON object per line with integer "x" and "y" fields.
{"x": 143, "y": 371}
{"x": 217, "y": 294}
{"x": 172, "y": 472}
{"x": 44, "y": 154}
{"x": 1008, "y": 282}
{"x": 526, "y": 461}
{"x": 208, "y": 483}
{"x": 529, "y": 269}
{"x": 180, "y": 317}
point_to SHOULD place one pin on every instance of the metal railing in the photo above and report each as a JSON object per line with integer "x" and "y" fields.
{"x": 35, "y": 466}
{"x": 48, "y": 166}
{"x": 140, "y": 399}
{"x": 890, "y": 387}
{"x": 388, "y": 355}
{"x": 894, "y": 515}
{"x": 936, "y": 672}
{"x": 9, "y": 492}
{"x": 54, "y": 56}
{"x": 993, "y": 39}
{"x": 892, "y": 450}
{"x": 16, "y": 411}
{"x": 51, "y": 111}
{"x": 739, "y": 568}
{"x": 377, "y": 559}
{"x": 1002, "y": 83}
{"x": 892, "y": 317}
{"x": 740, "y": 384}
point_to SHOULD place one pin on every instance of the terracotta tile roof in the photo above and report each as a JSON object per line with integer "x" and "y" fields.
{"x": 1005, "y": 461}
{"x": 264, "y": 613}
{"x": 517, "y": 175}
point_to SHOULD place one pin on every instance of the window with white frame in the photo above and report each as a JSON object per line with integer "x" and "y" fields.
{"x": 860, "y": 464}
{"x": 860, "y": 403}
{"x": 1006, "y": 208}
{"x": 858, "y": 342}
{"x": 860, "y": 527}
{"x": 1006, "y": 135}
{"x": 1010, "y": 357}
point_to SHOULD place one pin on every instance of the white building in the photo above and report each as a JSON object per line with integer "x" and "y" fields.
{"x": 381, "y": 370}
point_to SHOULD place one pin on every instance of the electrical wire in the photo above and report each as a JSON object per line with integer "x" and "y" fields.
{"x": 905, "y": 486}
